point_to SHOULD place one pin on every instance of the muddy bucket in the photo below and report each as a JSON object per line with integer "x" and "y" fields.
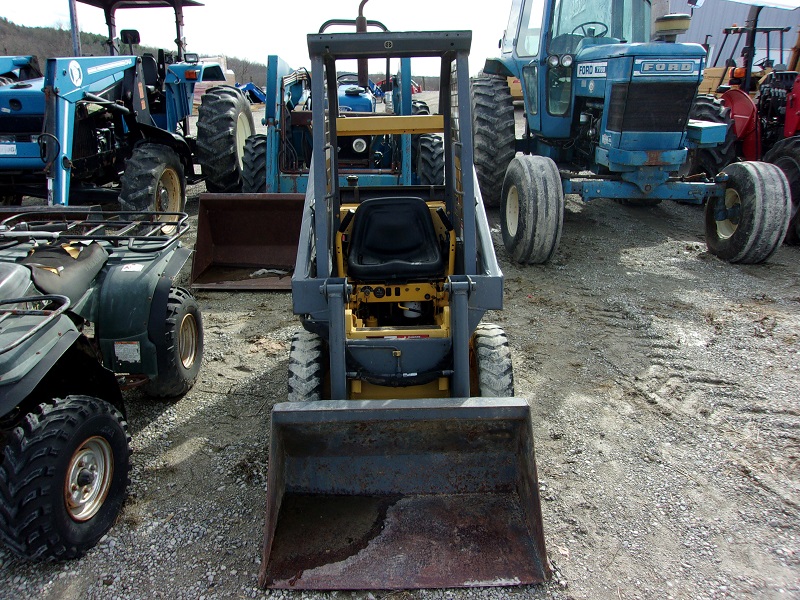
{"x": 400, "y": 494}
{"x": 246, "y": 241}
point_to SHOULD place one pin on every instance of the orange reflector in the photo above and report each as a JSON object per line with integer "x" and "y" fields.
{"x": 191, "y": 75}
{"x": 739, "y": 72}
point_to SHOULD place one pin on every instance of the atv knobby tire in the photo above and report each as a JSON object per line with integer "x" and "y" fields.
{"x": 224, "y": 123}
{"x": 786, "y": 155}
{"x": 532, "y": 211}
{"x": 749, "y": 222}
{"x": 181, "y": 350}
{"x": 492, "y": 370}
{"x": 430, "y": 160}
{"x": 493, "y": 133}
{"x": 711, "y": 161}
{"x": 63, "y": 477}
{"x": 254, "y": 164}
{"x": 306, "y": 367}
{"x": 153, "y": 180}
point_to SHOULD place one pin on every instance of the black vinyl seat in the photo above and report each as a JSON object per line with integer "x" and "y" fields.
{"x": 393, "y": 239}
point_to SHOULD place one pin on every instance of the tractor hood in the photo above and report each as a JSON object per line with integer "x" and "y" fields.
{"x": 22, "y": 98}
{"x": 655, "y": 50}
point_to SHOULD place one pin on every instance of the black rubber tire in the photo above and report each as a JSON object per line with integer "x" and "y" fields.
{"x": 786, "y": 156}
{"x": 306, "y": 367}
{"x": 532, "y": 211}
{"x": 429, "y": 165}
{"x": 182, "y": 345}
{"x": 224, "y": 122}
{"x": 153, "y": 180}
{"x": 761, "y": 192}
{"x": 35, "y": 521}
{"x": 711, "y": 161}
{"x": 254, "y": 164}
{"x": 493, "y": 132}
{"x": 492, "y": 354}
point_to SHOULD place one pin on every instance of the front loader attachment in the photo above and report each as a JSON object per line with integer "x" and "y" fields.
{"x": 393, "y": 494}
{"x": 246, "y": 241}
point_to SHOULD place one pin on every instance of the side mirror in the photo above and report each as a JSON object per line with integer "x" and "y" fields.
{"x": 129, "y": 36}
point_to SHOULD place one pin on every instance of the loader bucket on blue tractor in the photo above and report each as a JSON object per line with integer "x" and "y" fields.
{"x": 392, "y": 494}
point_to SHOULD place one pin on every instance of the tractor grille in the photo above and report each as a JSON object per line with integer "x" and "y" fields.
{"x": 650, "y": 106}
{"x": 21, "y": 125}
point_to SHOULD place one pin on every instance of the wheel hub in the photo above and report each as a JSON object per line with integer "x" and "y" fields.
{"x": 512, "y": 210}
{"x": 188, "y": 337}
{"x": 728, "y": 217}
{"x": 88, "y": 478}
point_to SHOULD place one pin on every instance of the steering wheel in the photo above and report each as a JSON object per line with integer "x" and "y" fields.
{"x": 346, "y": 78}
{"x": 582, "y": 27}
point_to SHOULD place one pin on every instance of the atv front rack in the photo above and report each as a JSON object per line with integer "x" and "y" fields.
{"x": 139, "y": 232}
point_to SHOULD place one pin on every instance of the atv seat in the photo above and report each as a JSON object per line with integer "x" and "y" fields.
{"x": 56, "y": 271}
{"x": 393, "y": 239}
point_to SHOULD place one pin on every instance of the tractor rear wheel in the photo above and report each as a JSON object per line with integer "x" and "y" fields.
{"x": 180, "y": 352}
{"x": 493, "y": 374}
{"x": 786, "y": 155}
{"x": 224, "y": 122}
{"x": 254, "y": 164}
{"x": 749, "y": 222}
{"x": 429, "y": 163}
{"x": 493, "y": 132}
{"x": 64, "y": 473}
{"x": 153, "y": 180}
{"x": 711, "y": 161}
{"x": 306, "y": 367}
{"x": 532, "y": 211}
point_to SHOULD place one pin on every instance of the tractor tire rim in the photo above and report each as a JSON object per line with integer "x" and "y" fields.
{"x": 512, "y": 210}
{"x": 242, "y": 133}
{"x": 188, "y": 337}
{"x": 727, "y": 227}
{"x": 168, "y": 193}
{"x": 88, "y": 478}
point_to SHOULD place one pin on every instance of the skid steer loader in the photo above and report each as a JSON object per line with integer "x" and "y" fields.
{"x": 402, "y": 459}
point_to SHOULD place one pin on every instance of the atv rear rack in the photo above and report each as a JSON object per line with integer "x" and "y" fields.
{"x": 140, "y": 232}
{"x": 58, "y": 304}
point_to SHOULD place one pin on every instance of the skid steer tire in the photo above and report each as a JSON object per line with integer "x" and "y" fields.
{"x": 64, "y": 474}
{"x": 711, "y": 161}
{"x": 430, "y": 160}
{"x": 254, "y": 164}
{"x": 224, "y": 122}
{"x": 493, "y": 132}
{"x": 493, "y": 371}
{"x": 532, "y": 211}
{"x": 786, "y": 155}
{"x": 306, "y": 367}
{"x": 181, "y": 350}
{"x": 153, "y": 180}
{"x": 749, "y": 222}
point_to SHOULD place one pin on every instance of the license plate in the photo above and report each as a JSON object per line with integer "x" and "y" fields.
{"x": 8, "y": 149}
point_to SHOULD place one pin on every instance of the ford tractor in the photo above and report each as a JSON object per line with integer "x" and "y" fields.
{"x": 607, "y": 115}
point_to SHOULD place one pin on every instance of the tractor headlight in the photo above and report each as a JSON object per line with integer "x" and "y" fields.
{"x": 552, "y": 61}
{"x": 566, "y": 60}
{"x": 359, "y": 145}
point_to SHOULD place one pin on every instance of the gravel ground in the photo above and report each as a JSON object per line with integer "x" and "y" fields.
{"x": 664, "y": 388}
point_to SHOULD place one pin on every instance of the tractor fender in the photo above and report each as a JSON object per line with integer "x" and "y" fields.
{"x": 70, "y": 366}
{"x": 745, "y": 122}
{"x": 495, "y": 66}
{"x": 173, "y": 140}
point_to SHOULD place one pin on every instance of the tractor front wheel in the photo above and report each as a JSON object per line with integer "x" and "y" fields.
{"x": 493, "y": 374}
{"x": 180, "y": 352}
{"x": 532, "y": 211}
{"x": 749, "y": 222}
{"x": 254, "y": 164}
{"x": 786, "y": 155}
{"x": 306, "y": 367}
{"x": 224, "y": 123}
{"x": 153, "y": 180}
{"x": 493, "y": 132}
{"x": 63, "y": 477}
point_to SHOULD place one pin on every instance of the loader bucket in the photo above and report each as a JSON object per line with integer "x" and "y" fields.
{"x": 398, "y": 494}
{"x": 246, "y": 241}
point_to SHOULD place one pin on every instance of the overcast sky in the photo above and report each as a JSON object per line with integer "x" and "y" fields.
{"x": 255, "y": 29}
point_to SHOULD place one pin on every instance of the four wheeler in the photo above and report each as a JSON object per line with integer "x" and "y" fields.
{"x": 87, "y": 308}
{"x": 401, "y": 459}
{"x": 761, "y": 125}
{"x": 607, "y": 115}
{"x": 117, "y": 127}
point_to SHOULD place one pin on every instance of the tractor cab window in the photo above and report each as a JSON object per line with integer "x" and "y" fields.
{"x": 574, "y": 20}
{"x": 530, "y": 28}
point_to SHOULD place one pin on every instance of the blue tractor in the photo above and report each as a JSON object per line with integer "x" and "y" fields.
{"x": 117, "y": 127}
{"x": 607, "y": 115}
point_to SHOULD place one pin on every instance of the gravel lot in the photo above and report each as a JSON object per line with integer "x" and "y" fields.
{"x": 664, "y": 387}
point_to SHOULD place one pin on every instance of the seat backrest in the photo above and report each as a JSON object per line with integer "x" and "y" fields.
{"x": 150, "y": 70}
{"x": 393, "y": 239}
